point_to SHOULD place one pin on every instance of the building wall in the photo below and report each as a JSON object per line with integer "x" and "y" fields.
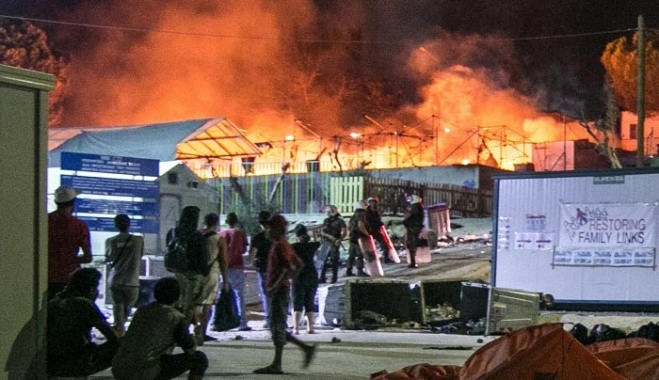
{"x": 471, "y": 176}
{"x": 23, "y": 222}
{"x": 628, "y": 141}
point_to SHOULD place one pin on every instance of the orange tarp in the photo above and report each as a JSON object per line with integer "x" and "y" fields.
{"x": 544, "y": 351}
{"x": 632, "y": 358}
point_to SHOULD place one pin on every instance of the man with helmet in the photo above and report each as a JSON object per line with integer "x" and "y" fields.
{"x": 333, "y": 231}
{"x": 413, "y": 222}
{"x": 374, "y": 226}
{"x": 357, "y": 229}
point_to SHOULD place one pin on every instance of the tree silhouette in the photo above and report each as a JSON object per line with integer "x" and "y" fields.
{"x": 621, "y": 63}
{"x": 25, "y": 46}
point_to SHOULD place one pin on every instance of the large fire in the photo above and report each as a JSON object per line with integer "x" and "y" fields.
{"x": 239, "y": 60}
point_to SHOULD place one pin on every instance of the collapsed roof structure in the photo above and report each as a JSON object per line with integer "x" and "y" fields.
{"x": 215, "y": 138}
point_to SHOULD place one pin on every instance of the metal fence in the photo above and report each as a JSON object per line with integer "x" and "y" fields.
{"x": 309, "y": 192}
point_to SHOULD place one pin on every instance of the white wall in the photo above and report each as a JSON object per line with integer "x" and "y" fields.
{"x": 522, "y": 197}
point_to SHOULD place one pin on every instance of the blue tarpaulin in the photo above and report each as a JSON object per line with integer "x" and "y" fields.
{"x": 181, "y": 140}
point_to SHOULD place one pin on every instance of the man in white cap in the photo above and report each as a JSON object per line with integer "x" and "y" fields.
{"x": 67, "y": 235}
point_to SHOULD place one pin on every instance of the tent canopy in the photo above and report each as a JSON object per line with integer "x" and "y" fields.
{"x": 181, "y": 140}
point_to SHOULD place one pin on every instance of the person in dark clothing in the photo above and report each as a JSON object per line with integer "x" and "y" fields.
{"x": 357, "y": 229}
{"x": 305, "y": 284}
{"x": 413, "y": 222}
{"x": 71, "y": 316}
{"x": 258, "y": 256}
{"x": 333, "y": 231}
{"x": 374, "y": 225}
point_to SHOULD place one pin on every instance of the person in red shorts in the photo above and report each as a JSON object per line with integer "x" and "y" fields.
{"x": 67, "y": 235}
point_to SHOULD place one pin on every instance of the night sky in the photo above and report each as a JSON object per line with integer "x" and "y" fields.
{"x": 557, "y": 44}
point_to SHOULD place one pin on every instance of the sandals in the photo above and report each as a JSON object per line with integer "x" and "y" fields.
{"x": 268, "y": 371}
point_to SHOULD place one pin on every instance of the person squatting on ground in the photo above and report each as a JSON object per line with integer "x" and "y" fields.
{"x": 123, "y": 253}
{"x": 357, "y": 230}
{"x": 258, "y": 256}
{"x": 333, "y": 231}
{"x": 237, "y": 245}
{"x": 72, "y": 314}
{"x": 413, "y": 222}
{"x": 156, "y": 328}
{"x": 282, "y": 265}
{"x": 305, "y": 284}
{"x": 66, "y": 236}
{"x": 216, "y": 247}
{"x": 374, "y": 225}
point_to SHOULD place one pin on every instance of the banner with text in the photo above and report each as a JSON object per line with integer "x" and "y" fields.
{"x": 606, "y": 235}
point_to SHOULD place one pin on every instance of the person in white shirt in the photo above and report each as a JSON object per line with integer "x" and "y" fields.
{"x": 123, "y": 254}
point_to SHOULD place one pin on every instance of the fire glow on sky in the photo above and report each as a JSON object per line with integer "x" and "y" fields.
{"x": 232, "y": 60}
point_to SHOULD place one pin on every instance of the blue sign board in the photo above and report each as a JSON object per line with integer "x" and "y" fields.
{"x": 140, "y": 226}
{"x": 109, "y": 164}
{"x": 114, "y": 207}
{"x": 113, "y": 186}
{"x": 144, "y": 215}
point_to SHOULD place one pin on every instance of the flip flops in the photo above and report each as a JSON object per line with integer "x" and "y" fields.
{"x": 268, "y": 371}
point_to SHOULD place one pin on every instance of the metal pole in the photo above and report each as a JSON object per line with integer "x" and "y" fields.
{"x": 640, "y": 96}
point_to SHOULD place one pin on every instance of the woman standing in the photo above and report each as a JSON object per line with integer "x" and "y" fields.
{"x": 306, "y": 282}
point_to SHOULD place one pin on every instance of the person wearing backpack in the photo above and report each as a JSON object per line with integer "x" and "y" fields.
{"x": 123, "y": 253}
{"x": 216, "y": 261}
{"x": 181, "y": 241}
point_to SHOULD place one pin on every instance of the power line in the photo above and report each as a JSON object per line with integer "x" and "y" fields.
{"x": 234, "y": 36}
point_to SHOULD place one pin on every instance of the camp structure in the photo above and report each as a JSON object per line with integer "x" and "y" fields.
{"x": 215, "y": 138}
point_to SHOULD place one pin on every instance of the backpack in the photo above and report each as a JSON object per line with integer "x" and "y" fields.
{"x": 176, "y": 257}
{"x": 198, "y": 253}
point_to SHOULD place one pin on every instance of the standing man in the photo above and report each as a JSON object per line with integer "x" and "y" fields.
{"x": 72, "y": 314}
{"x": 258, "y": 256}
{"x": 357, "y": 226}
{"x": 237, "y": 245}
{"x": 334, "y": 230}
{"x": 374, "y": 225}
{"x": 217, "y": 265}
{"x": 123, "y": 252}
{"x": 413, "y": 222}
{"x": 66, "y": 236}
{"x": 146, "y": 351}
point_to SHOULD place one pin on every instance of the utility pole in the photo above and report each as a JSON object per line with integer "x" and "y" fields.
{"x": 640, "y": 96}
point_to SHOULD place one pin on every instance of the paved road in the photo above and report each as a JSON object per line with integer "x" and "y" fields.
{"x": 357, "y": 355}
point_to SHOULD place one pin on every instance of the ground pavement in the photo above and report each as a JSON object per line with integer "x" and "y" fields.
{"x": 354, "y": 354}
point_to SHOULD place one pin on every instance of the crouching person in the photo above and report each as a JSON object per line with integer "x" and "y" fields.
{"x": 156, "y": 329}
{"x": 71, "y": 316}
